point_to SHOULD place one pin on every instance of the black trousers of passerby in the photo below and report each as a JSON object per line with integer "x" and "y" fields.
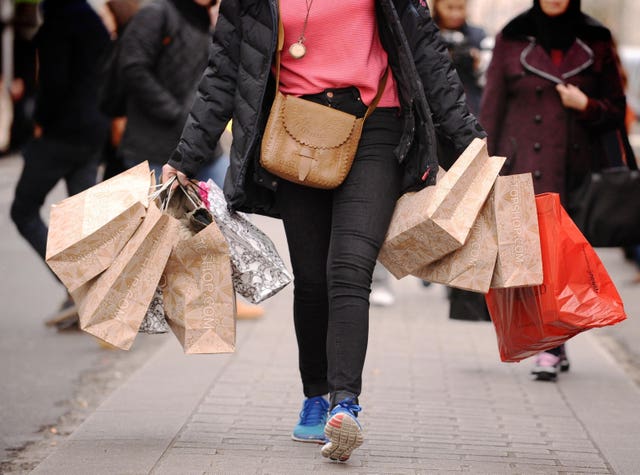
{"x": 334, "y": 237}
{"x": 46, "y": 162}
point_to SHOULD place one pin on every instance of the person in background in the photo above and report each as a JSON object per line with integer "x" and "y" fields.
{"x": 26, "y": 24}
{"x": 334, "y": 236}
{"x": 116, "y": 15}
{"x": 70, "y": 129}
{"x": 164, "y": 53}
{"x": 464, "y": 43}
{"x": 552, "y": 88}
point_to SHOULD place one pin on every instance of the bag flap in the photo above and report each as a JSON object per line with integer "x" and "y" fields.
{"x": 316, "y": 125}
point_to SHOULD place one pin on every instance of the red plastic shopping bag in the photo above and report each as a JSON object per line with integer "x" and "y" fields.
{"x": 577, "y": 293}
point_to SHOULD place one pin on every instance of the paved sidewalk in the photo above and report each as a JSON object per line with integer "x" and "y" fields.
{"x": 436, "y": 398}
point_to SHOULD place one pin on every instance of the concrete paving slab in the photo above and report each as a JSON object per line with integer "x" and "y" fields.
{"x": 102, "y": 456}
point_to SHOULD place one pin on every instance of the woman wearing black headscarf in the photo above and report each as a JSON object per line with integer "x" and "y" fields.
{"x": 553, "y": 87}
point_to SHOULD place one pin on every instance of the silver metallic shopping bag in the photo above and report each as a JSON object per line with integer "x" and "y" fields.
{"x": 258, "y": 270}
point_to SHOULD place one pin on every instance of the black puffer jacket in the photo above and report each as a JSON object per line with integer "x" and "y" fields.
{"x": 163, "y": 55}
{"x": 238, "y": 83}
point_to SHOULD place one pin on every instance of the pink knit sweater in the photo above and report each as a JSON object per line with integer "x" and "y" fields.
{"x": 343, "y": 49}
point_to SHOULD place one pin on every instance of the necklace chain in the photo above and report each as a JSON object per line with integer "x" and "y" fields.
{"x": 306, "y": 19}
{"x": 297, "y": 50}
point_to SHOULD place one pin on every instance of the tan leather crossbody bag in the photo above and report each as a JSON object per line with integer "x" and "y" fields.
{"x": 309, "y": 143}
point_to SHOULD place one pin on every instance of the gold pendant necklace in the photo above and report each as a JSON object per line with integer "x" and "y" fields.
{"x": 297, "y": 50}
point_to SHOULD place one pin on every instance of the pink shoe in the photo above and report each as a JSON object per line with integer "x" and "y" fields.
{"x": 546, "y": 367}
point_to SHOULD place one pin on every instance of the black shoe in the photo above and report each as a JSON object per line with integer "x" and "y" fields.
{"x": 66, "y": 318}
{"x": 563, "y": 364}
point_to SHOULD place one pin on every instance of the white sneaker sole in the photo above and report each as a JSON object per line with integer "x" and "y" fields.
{"x": 344, "y": 434}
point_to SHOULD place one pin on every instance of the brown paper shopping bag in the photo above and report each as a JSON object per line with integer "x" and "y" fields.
{"x": 113, "y": 304}
{"x": 198, "y": 294}
{"x": 88, "y": 230}
{"x": 470, "y": 267}
{"x": 437, "y": 220}
{"x": 519, "y": 260}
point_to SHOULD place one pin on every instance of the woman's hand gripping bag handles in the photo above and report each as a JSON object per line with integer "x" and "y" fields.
{"x": 576, "y": 294}
{"x": 198, "y": 294}
{"x": 88, "y": 230}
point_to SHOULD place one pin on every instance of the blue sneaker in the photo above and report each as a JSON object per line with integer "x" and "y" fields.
{"x": 343, "y": 431}
{"x": 313, "y": 418}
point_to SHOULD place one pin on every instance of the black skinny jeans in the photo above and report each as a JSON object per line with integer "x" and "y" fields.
{"x": 334, "y": 237}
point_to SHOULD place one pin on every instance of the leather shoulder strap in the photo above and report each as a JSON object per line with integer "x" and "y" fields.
{"x": 279, "y": 47}
{"x": 381, "y": 85}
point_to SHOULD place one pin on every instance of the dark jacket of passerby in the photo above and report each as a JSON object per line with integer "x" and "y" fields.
{"x": 522, "y": 110}
{"x": 465, "y": 62}
{"x": 164, "y": 53}
{"x": 70, "y": 42}
{"x": 239, "y": 80}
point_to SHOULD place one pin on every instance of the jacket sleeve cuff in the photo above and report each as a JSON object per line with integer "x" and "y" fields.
{"x": 188, "y": 167}
{"x": 591, "y": 113}
{"x": 475, "y": 132}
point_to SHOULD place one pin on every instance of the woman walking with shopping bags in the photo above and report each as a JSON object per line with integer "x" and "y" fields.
{"x": 553, "y": 87}
{"x": 344, "y": 54}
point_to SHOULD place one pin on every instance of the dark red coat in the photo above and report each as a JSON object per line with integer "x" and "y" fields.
{"x": 524, "y": 117}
